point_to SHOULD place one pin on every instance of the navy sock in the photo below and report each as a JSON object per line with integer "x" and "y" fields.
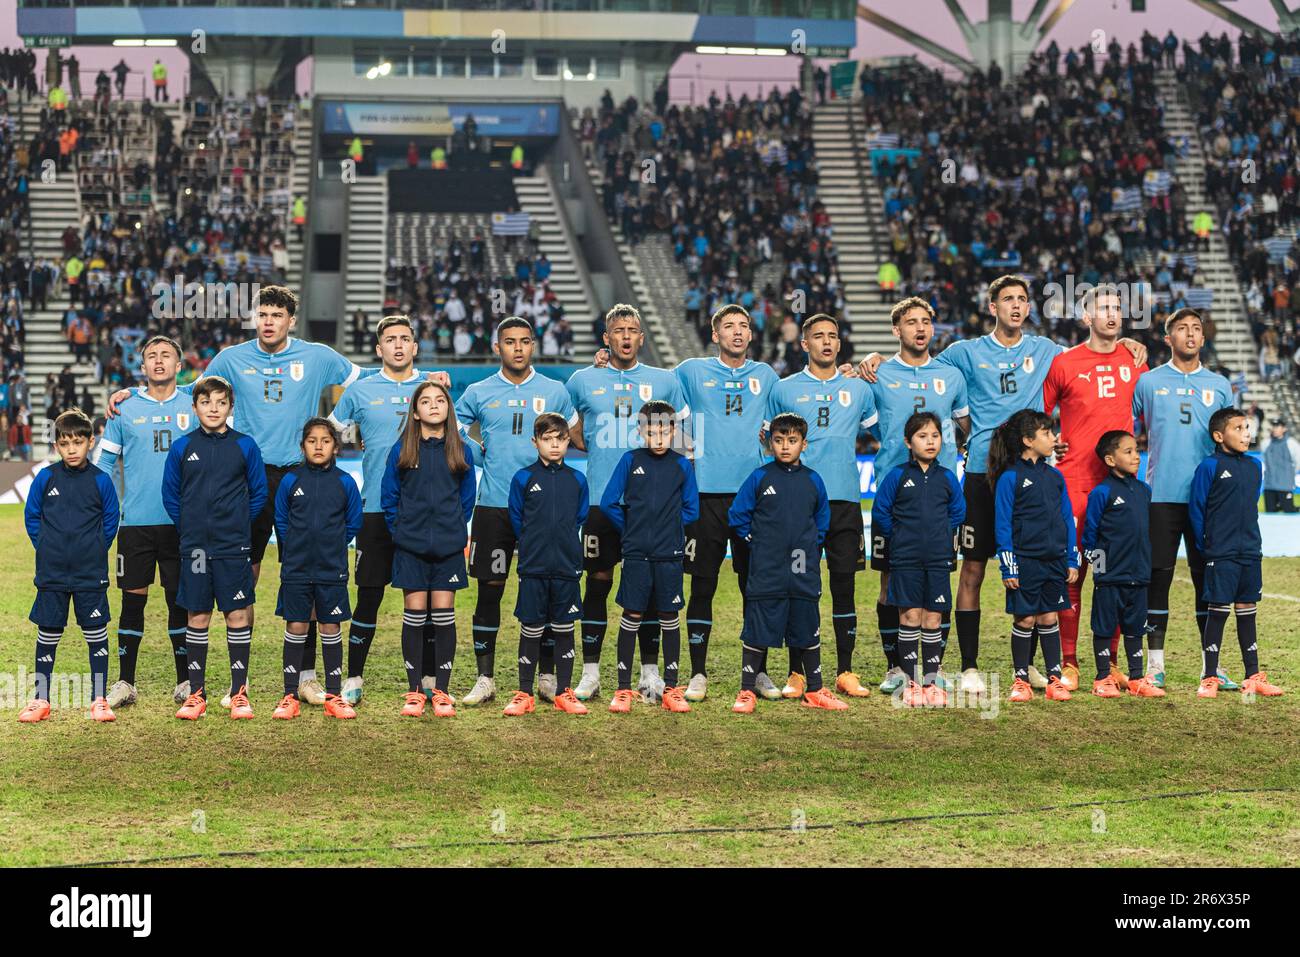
{"x": 331, "y": 653}
{"x": 968, "y": 637}
{"x": 750, "y": 665}
{"x": 309, "y": 648}
{"x": 361, "y": 632}
{"x": 1246, "y": 638}
{"x": 176, "y": 621}
{"x": 430, "y": 650}
{"x": 844, "y": 616}
{"x": 292, "y": 660}
{"x": 239, "y": 642}
{"x": 1101, "y": 655}
{"x": 945, "y": 624}
{"x": 1019, "y": 649}
{"x": 443, "y": 621}
{"x": 671, "y": 630}
{"x": 47, "y": 646}
{"x": 887, "y": 619}
{"x": 627, "y": 631}
{"x": 648, "y": 639}
{"x": 413, "y": 646}
{"x": 1049, "y": 638}
{"x": 486, "y": 623}
{"x": 130, "y": 632}
{"x": 1212, "y": 639}
{"x": 908, "y": 652}
{"x": 699, "y": 621}
{"x": 564, "y": 655}
{"x": 530, "y": 641}
{"x": 196, "y": 654}
{"x": 546, "y": 659}
{"x": 595, "y": 618}
{"x": 931, "y": 654}
{"x": 1133, "y": 651}
{"x": 811, "y": 660}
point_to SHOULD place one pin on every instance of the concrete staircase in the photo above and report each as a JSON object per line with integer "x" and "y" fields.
{"x": 1215, "y": 269}
{"x": 367, "y": 244}
{"x": 299, "y": 185}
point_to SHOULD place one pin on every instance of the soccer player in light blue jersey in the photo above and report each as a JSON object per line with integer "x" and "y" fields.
{"x": 909, "y": 383}
{"x": 607, "y": 400}
{"x": 504, "y": 406}
{"x": 139, "y": 438}
{"x": 1174, "y": 403}
{"x": 837, "y": 409}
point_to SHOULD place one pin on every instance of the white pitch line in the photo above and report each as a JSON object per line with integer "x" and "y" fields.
{"x": 1266, "y": 594}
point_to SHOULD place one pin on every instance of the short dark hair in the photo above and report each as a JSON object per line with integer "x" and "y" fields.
{"x": 917, "y": 421}
{"x": 726, "y": 310}
{"x": 656, "y": 407}
{"x": 211, "y": 384}
{"x": 1003, "y": 282}
{"x": 550, "y": 422}
{"x": 787, "y": 422}
{"x": 73, "y": 424}
{"x": 1110, "y": 441}
{"x": 321, "y": 421}
{"x": 812, "y": 320}
{"x": 279, "y": 296}
{"x": 1180, "y": 314}
{"x": 1219, "y": 421}
{"x": 903, "y": 307}
{"x": 397, "y": 319}
{"x": 155, "y": 340}
{"x": 515, "y": 322}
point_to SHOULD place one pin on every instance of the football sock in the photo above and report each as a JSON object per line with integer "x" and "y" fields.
{"x": 931, "y": 654}
{"x": 1049, "y": 639}
{"x": 699, "y": 621}
{"x": 546, "y": 657}
{"x": 968, "y": 637}
{"x": 196, "y": 656}
{"x": 1246, "y": 638}
{"x": 1101, "y": 655}
{"x": 594, "y": 618}
{"x": 176, "y": 619}
{"x": 361, "y": 632}
{"x": 908, "y": 652}
{"x": 1133, "y": 651}
{"x": 1069, "y": 619}
{"x": 648, "y": 639}
{"x": 1019, "y": 649}
{"x": 130, "y": 632}
{"x": 1198, "y": 587}
{"x": 1212, "y": 639}
{"x": 796, "y": 662}
{"x": 887, "y": 619}
{"x": 671, "y": 630}
{"x": 486, "y": 624}
{"x": 443, "y": 622}
{"x": 627, "y": 630}
{"x": 1158, "y": 614}
{"x": 413, "y": 646}
{"x": 239, "y": 642}
{"x": 1114, "y": 645}
{"x": 309, "y": 649}
{"x": 945, "y": 624}
{"x": 97, "y": 648}
{"x": 292, "y": 658}
{"x": 564, "y": 655}
{"x": 47, "y": 646}
{"x": 530, "y": 644}
{"x": 1033, "y": 644}
{"x": 811, "y": 661}
{"x": 750, "y": 662}
{"x": 331, "y": 653}
{"x": 430, "y": 649}
{"x": 844, "y": 616}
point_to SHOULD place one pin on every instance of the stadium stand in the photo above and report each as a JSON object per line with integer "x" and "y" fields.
{"x": 17, "y": 288}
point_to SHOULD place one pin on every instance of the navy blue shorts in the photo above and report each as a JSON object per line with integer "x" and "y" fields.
{"x": 228, "y": 581}
{"x": 773, "y": 622}
{"x": 1229, "y": 580}
{"x": 1119, "y": 606}
{"x": 545, "y": 600}
{"x": 297, "y": 601}
{"x": 650, "y": 586}
{"x": 415, "y": 573}
{"x": 50, "y": 609}
{"x": 1042, "y": 588}
{"x": 928, "y": 588}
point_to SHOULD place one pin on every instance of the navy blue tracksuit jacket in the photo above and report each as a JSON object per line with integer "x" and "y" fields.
{"x": 71, "y": 517}
{"x": 548, "y": 504}
{"x": 317, "y": 512}
{"x": 651, "y": 499}
{"x": 783, "y": 512}
{"x": 428, "y": 508}
{"x": 916, "y": 512}
{"x": 214, "y": 485}
{"x": 1223, "y": 507}
{"x": 1034, "y": 516}
{"x": 1116, "y": 536}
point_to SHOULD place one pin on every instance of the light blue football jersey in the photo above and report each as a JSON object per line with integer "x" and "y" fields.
{"x": 727, "y": 409}
{"x": 1000, "y": 381}
{"x": 900, "y": 390}
{"x": 608, "y": 400}
{"x": 276, "y": 394}
{"x": 378, "y": 405}
{"x": 838, "y": 410}
{"x": 505, "y": 413}
{"x": 1175, "y": 408}
{"x": 140, "y": 435}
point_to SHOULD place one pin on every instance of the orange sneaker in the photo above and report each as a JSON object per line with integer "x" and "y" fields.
{"x": 287, "y": 708}
{"x": 825, "y": 699}
{"x": 849, "y": 684}
{"x": 336, "y": 706}
{"x": 239, "y": 706}
{"x": 913, "y": 695}
{"x": 794, "y": 686}
{"x": 1209, "y": 687}
{"x": 443, "y": 706}
{"x": 745, "y": 702}
{"x": 1070, "y": 677}
{"x": 935, "y": 697}
{"x": 1106, "y": 687}
{"x": 622, "y": 702}
{"x": 1121, "y": 679}
{"x": 1258, "y": 683}
{"x": 36, "y": 710}
{"x": 674, "y": 702}
{"x": 100, "y": 710}
{"x": 1021, "y": 691}
{"x": 1056, "y": 690}
{"x": 414, "y": 707}
{"x": 1143, "y": 688}
{"x": 194, "y": 707}
{"x": 568, "y": 702}
{"x": 521, "y": 704}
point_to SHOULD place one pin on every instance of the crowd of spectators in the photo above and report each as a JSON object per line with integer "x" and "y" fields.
{"x": 15, "y": 285}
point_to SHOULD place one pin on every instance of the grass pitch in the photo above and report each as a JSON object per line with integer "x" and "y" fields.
{"x": 1086, "y": 782}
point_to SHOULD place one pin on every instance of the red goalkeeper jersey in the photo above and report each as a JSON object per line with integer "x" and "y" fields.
{"x": 1095, "y": 393}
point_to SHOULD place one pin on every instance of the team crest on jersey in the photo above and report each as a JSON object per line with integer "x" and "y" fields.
{"x": 183, "y": 421}
{"x": 940, "y": 386}
{"x": 646, "y": 391}
{"x": 1207, "y": 396}
{"x": 1125, "y": 373}
{"x": 539, "y": 404}
{"x": 754, "y": 385}
{"x": 296, "y": 371}
{"x": 845, "y": 397}
{"x": 1029, "y": 363}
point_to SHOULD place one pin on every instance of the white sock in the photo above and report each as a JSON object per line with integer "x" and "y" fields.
{"x": 593, "y": 669}
{"x": 308, "y": 675}
{"x": 649, "y": 671}
{"x": 1157, "y": 661}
